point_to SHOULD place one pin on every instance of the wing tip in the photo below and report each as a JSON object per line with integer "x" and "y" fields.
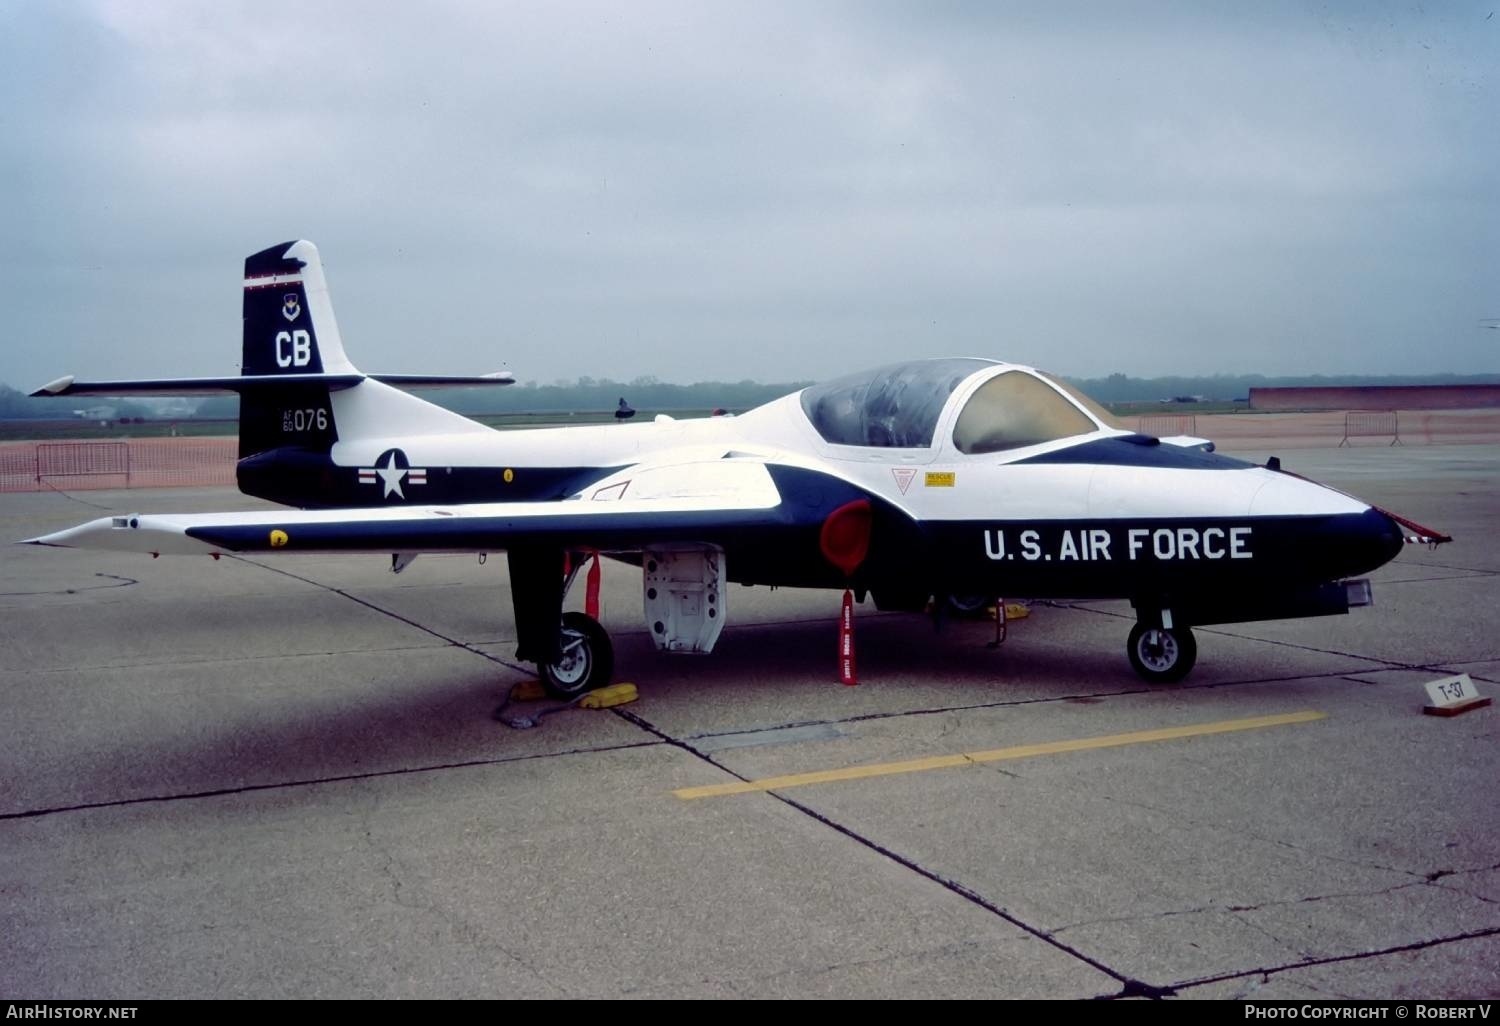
{"x": 58, "y": 387}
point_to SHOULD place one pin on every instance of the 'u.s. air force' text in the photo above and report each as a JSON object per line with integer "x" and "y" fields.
{"x": 1136, "y": 543}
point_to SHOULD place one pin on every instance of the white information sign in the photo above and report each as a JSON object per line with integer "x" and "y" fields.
{"x": 1450, "y": 695}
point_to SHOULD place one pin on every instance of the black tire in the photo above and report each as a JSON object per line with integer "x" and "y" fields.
{"x": 588, "y": 659}
{"x": 968, "y": 607}
{"x": 1161, "y": 655}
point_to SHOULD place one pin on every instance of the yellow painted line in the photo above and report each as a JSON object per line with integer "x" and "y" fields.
{"x": 885, "y": 769}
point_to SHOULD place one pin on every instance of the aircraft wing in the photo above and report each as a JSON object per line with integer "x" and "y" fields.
{"x": 707, "y": 502}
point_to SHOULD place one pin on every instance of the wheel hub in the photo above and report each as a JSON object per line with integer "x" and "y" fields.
{"x": 1158, "y": 650}
{"x": 574, "y": 664}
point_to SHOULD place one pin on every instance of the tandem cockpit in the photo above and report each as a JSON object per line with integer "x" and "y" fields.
{"x": 975, "y": 406}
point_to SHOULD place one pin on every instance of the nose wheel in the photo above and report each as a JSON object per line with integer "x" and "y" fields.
{"x": 586, "y": 662}
{"x": 1161, "y": 655}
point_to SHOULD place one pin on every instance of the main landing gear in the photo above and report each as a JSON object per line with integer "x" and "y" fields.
{"x": 571, "y": 650}
{"x": 684, "y": 588}
{"x": 1161, "y": 655}
{"x": 585, "y": 661}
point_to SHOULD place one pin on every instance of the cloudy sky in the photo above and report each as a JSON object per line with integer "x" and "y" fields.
{"x": 761, "y": 190}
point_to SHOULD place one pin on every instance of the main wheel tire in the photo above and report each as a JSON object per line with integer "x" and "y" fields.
{"x": 587, "y": 660}
{"x": 968, "y": 607}
{"x": 1161, "y": 655}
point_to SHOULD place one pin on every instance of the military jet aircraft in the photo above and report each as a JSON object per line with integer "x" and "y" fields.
{"x": 914, "y": 480}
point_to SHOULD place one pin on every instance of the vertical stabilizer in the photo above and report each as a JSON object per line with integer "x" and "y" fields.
{"x": 289, "y": 329}
{"x": 289, "y": 324}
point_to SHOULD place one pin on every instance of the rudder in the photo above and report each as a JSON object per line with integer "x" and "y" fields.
{"x": 289, "y": 330}
{"x": 289, "y": 324}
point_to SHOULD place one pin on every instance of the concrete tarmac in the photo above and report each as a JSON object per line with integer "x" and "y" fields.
{"x": 282, "y": 778}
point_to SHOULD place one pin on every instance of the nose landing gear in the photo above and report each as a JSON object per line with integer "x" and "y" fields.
{"x": 1161, "y": 655}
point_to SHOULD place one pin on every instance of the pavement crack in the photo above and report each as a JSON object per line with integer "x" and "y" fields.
{"x": 1130, "y": 986}
{"x": 794, "y": 972}
{"x": 1236, "y": 909}
{"x": 278, "y": 785}
{"x": 1266, "y": 972}
{"x": 1464, "y": 575}
{"x": 118, "y": 582}
{"x": 1449, "y": 566}
{"x": 387, "y": 865}
{"x": 943, "y": 710}
{"x": 950, "y": 725}
{"x": 1281, "y": 942}
{"x": 456, "y": 643}
{"x": 1137, "y": 989}
{"x": 1450, "y": 882}
{"x": 223, "y": 660}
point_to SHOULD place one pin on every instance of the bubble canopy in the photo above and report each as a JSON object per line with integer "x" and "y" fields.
{"x": 892, "y": 407}
{"x": 898, "y": 406}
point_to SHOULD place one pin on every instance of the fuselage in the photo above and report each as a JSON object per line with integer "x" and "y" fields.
{"x": 1096, "y": 512}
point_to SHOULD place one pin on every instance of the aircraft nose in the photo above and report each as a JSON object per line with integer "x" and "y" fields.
{"x": 1352, "y": 545}
{"x": 1371, "y": 539}
{"x": 1341, "y": 536}
{"x": 1330, "y": 548}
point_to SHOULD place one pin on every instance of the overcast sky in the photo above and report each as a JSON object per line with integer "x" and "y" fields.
{"x": 708, "y": 190}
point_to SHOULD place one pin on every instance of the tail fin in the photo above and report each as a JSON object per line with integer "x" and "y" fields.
{"x": 289, "y": 331}
{"x": 289, "y": 322}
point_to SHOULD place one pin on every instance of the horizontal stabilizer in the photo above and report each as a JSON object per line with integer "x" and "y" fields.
{"x": 444, "y": 381}
{"x": 262, "y": 384}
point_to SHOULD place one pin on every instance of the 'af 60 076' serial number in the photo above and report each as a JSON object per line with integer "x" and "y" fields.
{"x": 315, "y": 419}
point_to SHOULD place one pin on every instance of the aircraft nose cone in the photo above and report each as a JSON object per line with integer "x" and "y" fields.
{"x": 1373, "y": 540}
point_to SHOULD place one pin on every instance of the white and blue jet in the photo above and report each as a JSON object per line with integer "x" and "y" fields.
{"x": 914, "y": 481}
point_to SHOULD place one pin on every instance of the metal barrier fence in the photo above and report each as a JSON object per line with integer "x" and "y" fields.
{"x": 1383, "y": 424}
{"x": 84, "y": 459}
{"x": 135, "y": 463}
{"x": 1167, "y": 425}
